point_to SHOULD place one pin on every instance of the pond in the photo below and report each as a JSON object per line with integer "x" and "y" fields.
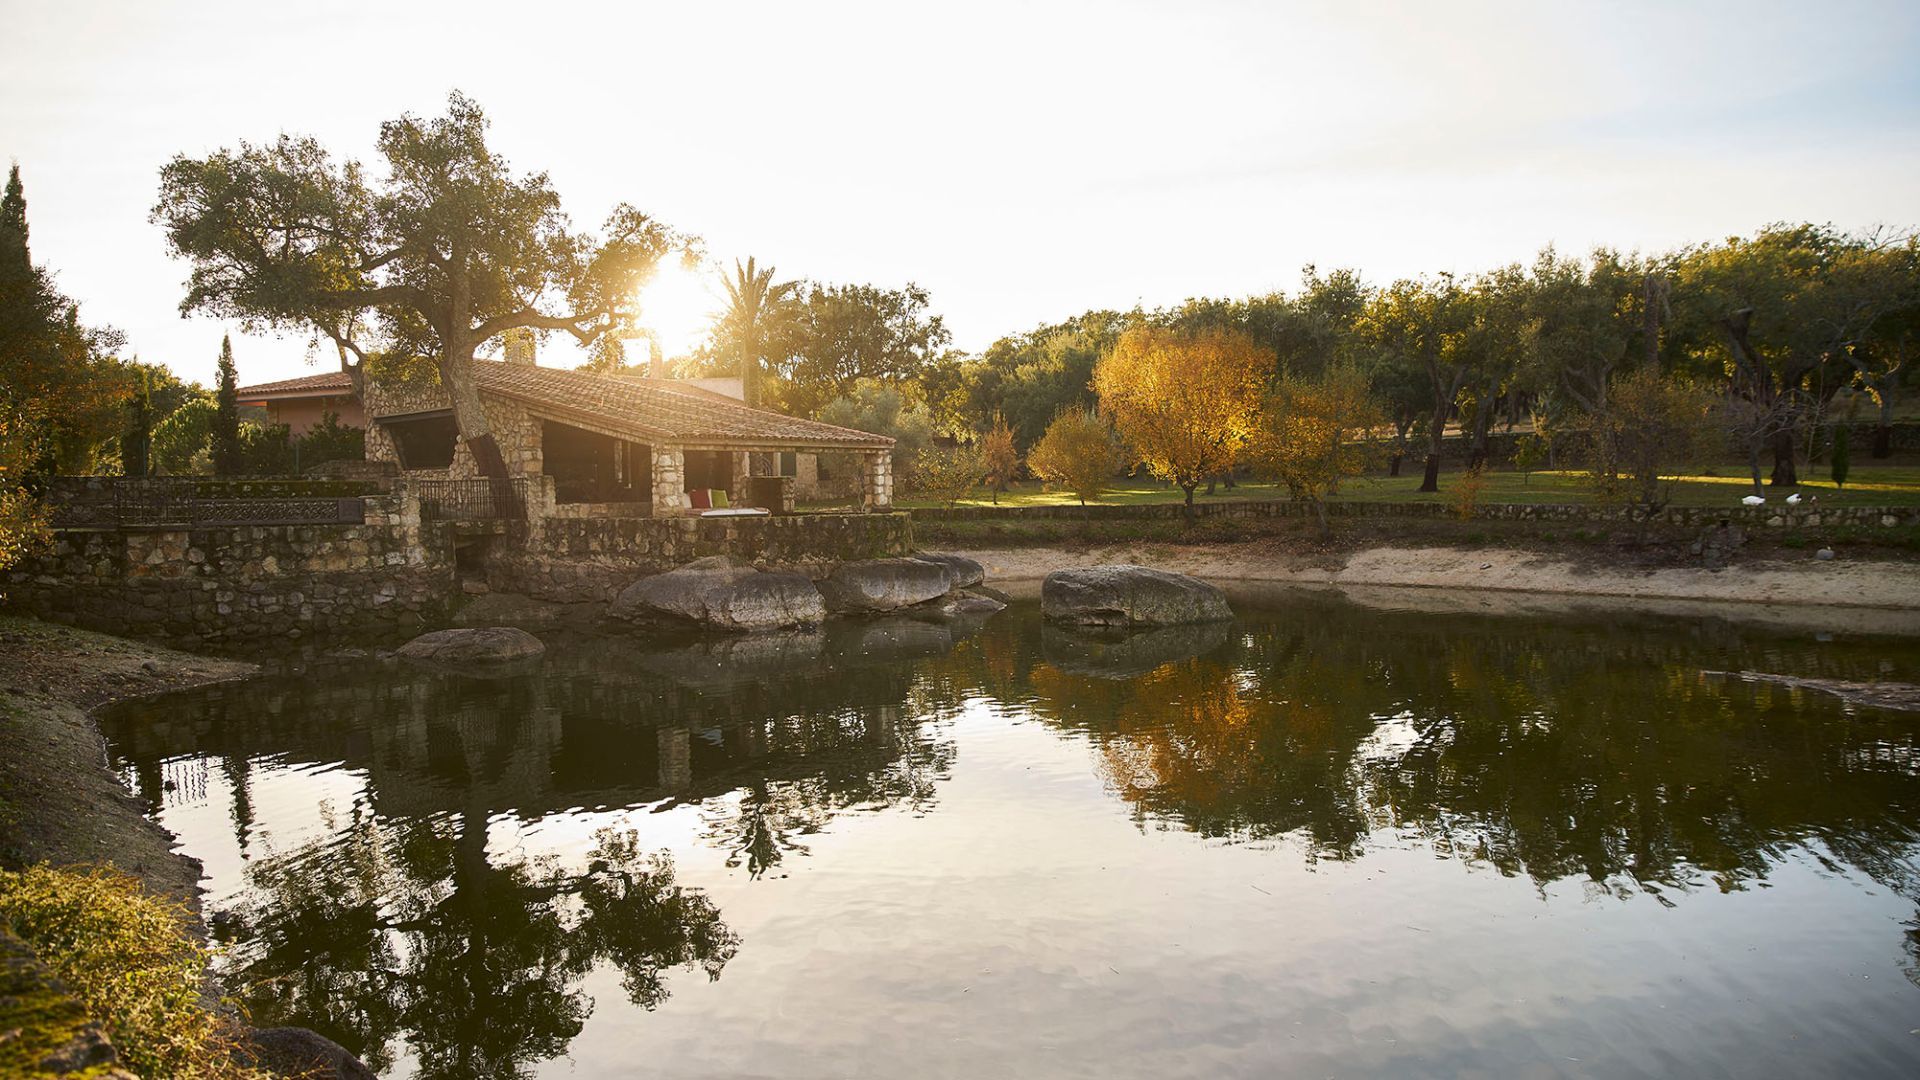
{"x": 1333, "y": 838}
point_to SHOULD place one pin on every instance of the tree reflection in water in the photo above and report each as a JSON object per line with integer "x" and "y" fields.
{"x": 1545, "y": 749}
{"x": 1599, "y": 752}
{"x": 410, "y": 931}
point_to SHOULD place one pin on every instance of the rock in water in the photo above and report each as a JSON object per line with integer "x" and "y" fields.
{"x": 292, "y": 1051}
{"x": 473, "y": 646}
{"x": 964, "y": 572}
{"x": 869, "y": 586}
{"x": 1126, "y": 595}
{"x": 723, "y": 594}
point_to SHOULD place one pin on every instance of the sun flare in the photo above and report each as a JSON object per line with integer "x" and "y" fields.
{"x": 677, "y": 308}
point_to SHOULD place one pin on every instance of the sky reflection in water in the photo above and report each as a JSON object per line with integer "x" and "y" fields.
{"x": 1326, "y": 839}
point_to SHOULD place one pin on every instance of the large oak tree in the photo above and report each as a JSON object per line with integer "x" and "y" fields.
{"x": 450, "y": 250}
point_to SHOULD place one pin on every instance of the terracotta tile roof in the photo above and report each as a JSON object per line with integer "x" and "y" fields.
{"x": 327, "y": 382}
{"x": 653, "y": 411}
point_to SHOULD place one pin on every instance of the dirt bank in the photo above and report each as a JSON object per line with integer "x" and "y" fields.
{"x": 59, "y": 802}
{"x": 1883, "y": 596}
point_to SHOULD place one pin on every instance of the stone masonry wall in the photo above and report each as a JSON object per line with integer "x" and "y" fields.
{"x": 244, "y": 583}
{"x": 1776, "y": 515}
{"x": 579, "y": 559}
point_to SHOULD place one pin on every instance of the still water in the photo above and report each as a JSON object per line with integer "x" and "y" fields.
{"x": 1332, "y": 838}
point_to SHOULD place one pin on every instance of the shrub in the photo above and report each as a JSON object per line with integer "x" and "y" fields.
{"x": 1466, "y": 492}
{"x": 947, "y": 474}
{"x": 331, "y": 440}
{"x": 180, "y": 442}
{"x": 129, "y": 960}
{"x": 1080, "y": 452}
{"x": 1842, "y": 460}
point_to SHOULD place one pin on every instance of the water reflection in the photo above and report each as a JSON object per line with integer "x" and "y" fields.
{"x": 1593, "y": 752}
{"x": 410, "y": 931}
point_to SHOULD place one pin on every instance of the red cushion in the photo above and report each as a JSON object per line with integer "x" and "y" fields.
{"x": 700, "y": 500}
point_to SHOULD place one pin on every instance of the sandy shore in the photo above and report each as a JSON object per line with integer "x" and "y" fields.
{"x": 1876, "y": 596}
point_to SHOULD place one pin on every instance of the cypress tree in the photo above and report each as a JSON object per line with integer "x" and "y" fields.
{"x": 226, "y": 416}
{"x": 15, "y": 262}
{"x": 1840, "y": 457}
{"x": 136, "y": 444}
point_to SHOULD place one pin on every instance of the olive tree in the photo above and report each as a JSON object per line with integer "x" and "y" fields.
{"x": 446, "y": 252}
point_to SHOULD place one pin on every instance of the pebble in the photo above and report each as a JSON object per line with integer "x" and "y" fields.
{"x": 1824, "y": 554}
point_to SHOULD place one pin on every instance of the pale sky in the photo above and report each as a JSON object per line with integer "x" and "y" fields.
{"x": 1023, "y": 161}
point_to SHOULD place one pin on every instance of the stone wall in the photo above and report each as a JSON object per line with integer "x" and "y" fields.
{"x": 1775, "y": 515}
{"x": 244, "y": 583}
{"x": 516, "y": 431}
{"x": 576, "y": 559}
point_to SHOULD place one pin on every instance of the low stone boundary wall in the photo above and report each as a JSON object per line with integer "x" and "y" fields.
{"x": 244, "y": 583}
{"x": 1775, "y": 515}
{"x": 576, "y": 559}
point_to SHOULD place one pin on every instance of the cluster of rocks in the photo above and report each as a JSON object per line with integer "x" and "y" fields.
{"x": 723, "y": 593}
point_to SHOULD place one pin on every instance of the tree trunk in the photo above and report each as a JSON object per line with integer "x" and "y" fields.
{"x": 1188, "y": 488}
{"x": 1883, "y": 431}
{"x": 1320, "y": 511}
{"x": 1753, "y": 463}
{"x": 1482, "y": 424}
{"x": 1431, "y": 482}
{"x": 1393, "y": 463}
{"x": 1436, "y": 435}
{"x": 469, "y": 416}
{"x": 1784, "y": 474}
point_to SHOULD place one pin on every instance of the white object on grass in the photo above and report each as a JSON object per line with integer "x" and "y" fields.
{"x": 1754, "y": 500}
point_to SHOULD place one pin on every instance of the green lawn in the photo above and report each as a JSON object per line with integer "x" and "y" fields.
{"x": 1725, "y": 485}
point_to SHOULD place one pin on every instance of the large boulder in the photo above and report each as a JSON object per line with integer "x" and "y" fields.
{"x": 1125, "y": 595}
{"x": 874, "y": 586}
{"x": 723, "y": 594}
{"x": 292, "y": 1051}
{"x": 964, "y": 573}
{"x": 475, "y": 646}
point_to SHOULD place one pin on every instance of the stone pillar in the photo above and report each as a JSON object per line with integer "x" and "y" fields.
{"x": 742, "y": 468}
{"x": 876, "y": 480}
{"x": 669, "y": 481}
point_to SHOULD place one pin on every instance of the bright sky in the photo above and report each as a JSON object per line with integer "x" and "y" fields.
{"x": 1024, "y": 161}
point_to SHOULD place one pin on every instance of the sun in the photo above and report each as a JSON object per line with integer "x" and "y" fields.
{"x": 677, "y": 308}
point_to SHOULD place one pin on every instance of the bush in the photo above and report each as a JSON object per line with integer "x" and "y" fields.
{"x": 1079, "y": 452}
{"x": 1842, "y": 459}
{"x": 128, "y": 958}
{"x": 331, "y": 440}
{"x": 947, "y": 474}
{"x": 1466, "y": 492}
{"x": 181, "y": 441}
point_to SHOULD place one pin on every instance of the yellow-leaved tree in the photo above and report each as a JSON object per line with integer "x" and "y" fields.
{"x": 1186, "y": 402}
{"x": 1314, "y": 432}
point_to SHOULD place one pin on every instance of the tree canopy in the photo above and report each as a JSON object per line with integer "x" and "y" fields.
{"x": 450, "y": 250}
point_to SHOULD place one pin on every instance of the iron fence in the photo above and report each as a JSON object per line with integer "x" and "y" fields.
{"x": 180, "y": 503}
{"x": 480, "y": 499}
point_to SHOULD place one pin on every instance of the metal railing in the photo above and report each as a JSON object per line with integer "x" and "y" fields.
{"x": 180, "y": 502}
{"x": 479, "y": 499}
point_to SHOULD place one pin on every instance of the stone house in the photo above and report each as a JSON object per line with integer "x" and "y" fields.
{"x": 621, "y": 446}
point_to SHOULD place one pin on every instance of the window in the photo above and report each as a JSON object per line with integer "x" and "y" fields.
{"x": 423, "y": 441}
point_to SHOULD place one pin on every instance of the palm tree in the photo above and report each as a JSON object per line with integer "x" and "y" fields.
{"x": 754, "y": 304}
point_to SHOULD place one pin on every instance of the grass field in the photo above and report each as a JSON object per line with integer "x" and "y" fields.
{"x": 1725, "y": 485}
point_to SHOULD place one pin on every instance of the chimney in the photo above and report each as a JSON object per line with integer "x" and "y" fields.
{"x": 519, "y": 346}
